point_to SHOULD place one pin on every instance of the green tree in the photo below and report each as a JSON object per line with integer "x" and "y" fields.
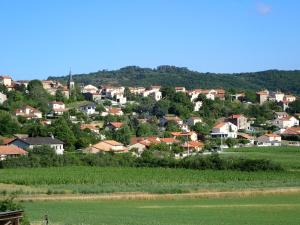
{"x": 123, "y": 135}
{"x": 8, "y": 125}
{"x": 61, "y": 129}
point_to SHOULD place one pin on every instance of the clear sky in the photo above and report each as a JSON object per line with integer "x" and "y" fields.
{"x": 39, "y": 38}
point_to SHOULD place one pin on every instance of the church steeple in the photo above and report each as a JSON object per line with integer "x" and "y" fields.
{"x": 71, "y": 84}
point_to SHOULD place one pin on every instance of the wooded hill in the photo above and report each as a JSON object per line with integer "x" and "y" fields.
{"x": 287, "y": 81}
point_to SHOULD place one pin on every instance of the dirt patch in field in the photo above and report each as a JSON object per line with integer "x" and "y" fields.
{"x": 222, "y": 206}
{"x": 148, "y": 196}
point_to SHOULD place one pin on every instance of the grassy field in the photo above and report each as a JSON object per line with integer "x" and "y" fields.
{"x": 254, "y": 210}
{"x": 288, "y": 157}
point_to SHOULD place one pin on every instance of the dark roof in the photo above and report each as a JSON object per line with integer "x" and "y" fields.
{"x": 41, "y": 140}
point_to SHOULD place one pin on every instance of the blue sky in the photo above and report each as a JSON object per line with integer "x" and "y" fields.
{"x": 43, "y": 38}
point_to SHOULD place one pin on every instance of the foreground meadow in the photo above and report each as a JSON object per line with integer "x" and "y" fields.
{"x": 252, "y": 210}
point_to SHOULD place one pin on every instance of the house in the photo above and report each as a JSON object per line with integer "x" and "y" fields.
{"x": 193, "y": 120}
{"x": 114, "y": 125}
{"x": 107, "y": 146}
{"x": 285, "y": 122}
{"x": 291, "y": 131}
{"x": 262, "y": 96}
{"x": 169, "y": 141}
{"x": 224, "y": 129}
{"x": 96, "y": 97}
{"x": 138, "y": 146}
{"x": 10, "y": 151}
{"x": 197, "y": 105}
{"x": 113, "y": 112}
{"x": 289, "y": 98}
{"x": 247, "y": 137}
{"x": 6, "y": 141}
{"x": 280, "y": 115}
{"x": 89, "y": 108}
{"x": 89, "y": 89}
{"x": 154, "y": 92}
{"x": 22, "y": 82}
{"x": 6, "y": 81}
{"x": 240, "y": 121}
{"x": 137, "y": 90}
{"x": 150, "y": 141}
{"x": 238, "y": 96}
{"x": 167, "y": 118}
{"x": 92, "y": 127}
{"x": 209, "y": 93}
{"x": 269, "y": 140}
{"x": 276, "y": 96}
{"x": 31, "y": 142}
{"x": 3, "y": 98}
{"x": 28, "y": 112}
{"x": 193, "y": 146}
{"x": 180, "y": 89}
{"x": 57, "y": 107}
{"x": 185, "y": 135}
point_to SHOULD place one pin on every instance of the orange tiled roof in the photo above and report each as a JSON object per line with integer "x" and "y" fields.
{"x": 169, "y": 140}
{"x": 6, "y": 141}
{"x": 11, "y": 150}
{"x": 116, "y": 124}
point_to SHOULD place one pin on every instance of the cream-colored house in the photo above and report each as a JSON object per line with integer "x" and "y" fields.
{"x": 269, "y": 140}
{"x": 286, "y": 122}
{"x": 107, "y": 146}
{"x": 28, "y": 112}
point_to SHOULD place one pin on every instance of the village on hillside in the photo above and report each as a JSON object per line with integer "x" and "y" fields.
{"x": 90, "y": 119}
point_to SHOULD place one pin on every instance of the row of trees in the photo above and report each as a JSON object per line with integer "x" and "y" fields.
{"x": 46, "y": 157}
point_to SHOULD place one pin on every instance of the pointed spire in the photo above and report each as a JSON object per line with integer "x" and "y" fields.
{"x": 70, "y": 75}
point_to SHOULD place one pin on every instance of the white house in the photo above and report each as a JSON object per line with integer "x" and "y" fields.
{"x": 6, "y": 81}
{"x": 269, "y": 140}
{"x": 197, "y": 106}
{"x": 31, "y": 142}
{"x": 89, "y": 108}
{"x": 89, "y": 89}
{"x": 280, "y": 115}
{"x": 193, "y": 120}
{"x": 224, "y": 129}
{"x": 138, "y": 146}
{"x": 57, "y": 107}
{"x": 3, "y": 98}
{"x": 286, "y": 122}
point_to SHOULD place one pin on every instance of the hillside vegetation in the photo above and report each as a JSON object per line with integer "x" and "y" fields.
{"x": 287, "y": 81}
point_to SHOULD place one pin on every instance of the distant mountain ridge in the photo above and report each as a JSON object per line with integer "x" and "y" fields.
{"x": 287, "y": 81}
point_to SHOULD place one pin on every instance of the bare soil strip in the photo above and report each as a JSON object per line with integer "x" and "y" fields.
{"x": 222, "y": 206}
{"x": 149, "y": 196}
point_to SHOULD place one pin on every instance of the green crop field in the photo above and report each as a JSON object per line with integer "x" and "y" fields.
{"x": 89, "y": 180}
{"x": 154, "y": 180}
{"x": 254, "y": 210}
{"x": 288, "y": 157}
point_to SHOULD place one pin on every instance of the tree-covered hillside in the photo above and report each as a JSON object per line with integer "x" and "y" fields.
{"x": 287, "y": 81}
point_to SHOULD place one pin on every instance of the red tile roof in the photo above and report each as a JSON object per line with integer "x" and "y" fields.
{"x": 11, "y": 150}
{"x": 292, "y": 131}
{"x": 6, "y": 141}
{"x": 169, "y": 140}
{"x": 193, "y": 144}
{"x": 116, "y": 124}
